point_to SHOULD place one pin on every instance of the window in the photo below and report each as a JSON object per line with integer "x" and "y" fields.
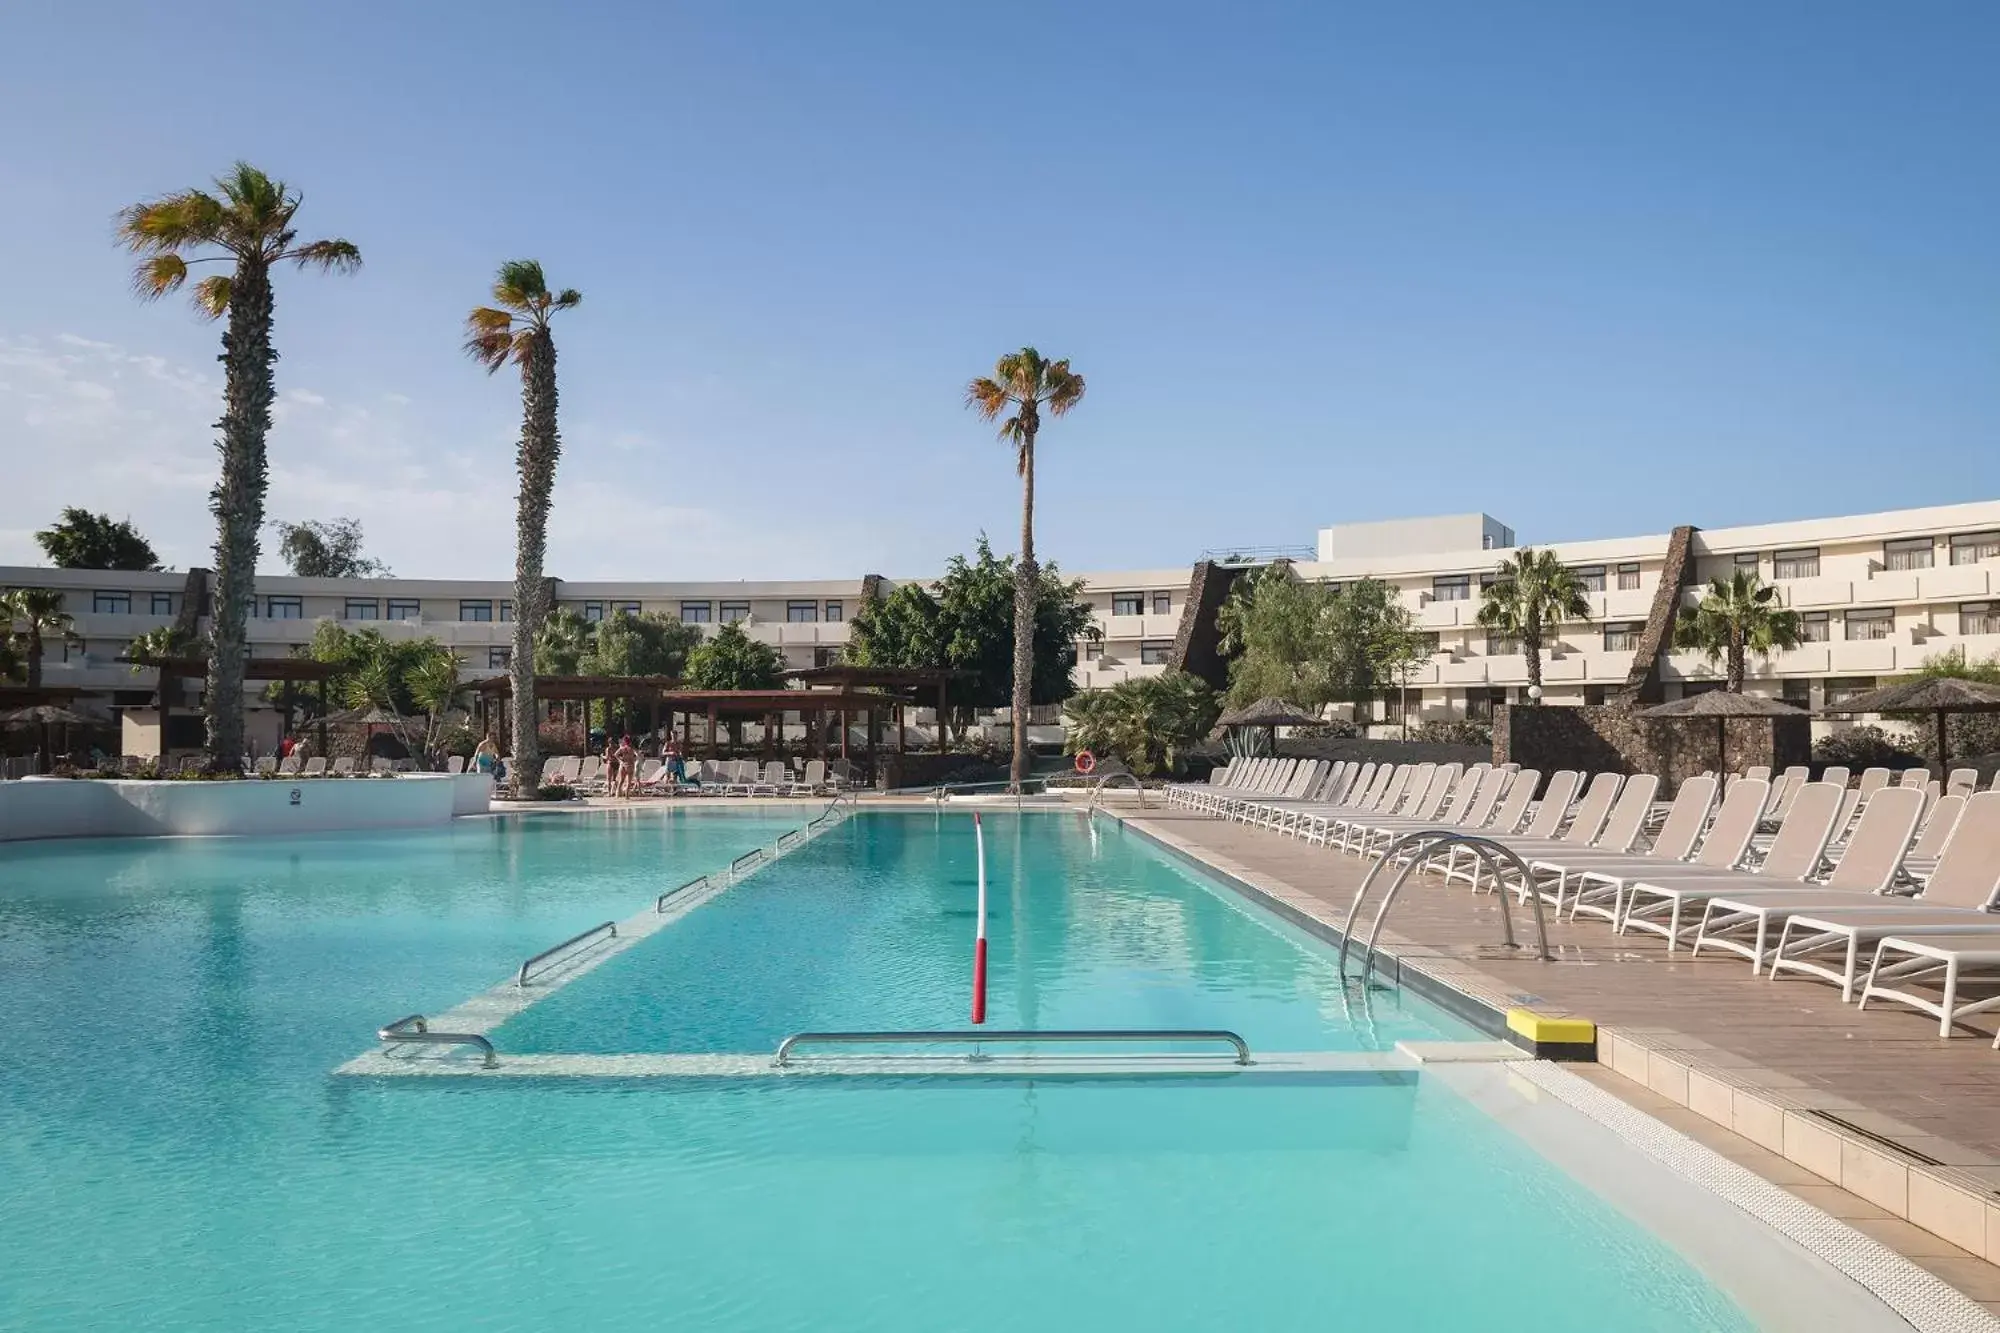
{"x": 834, "y": 611}
{"x": 593, "y": 611}
{"x": 1499, "y": 645}
{"x": 499, "y": 659}
{"x": 1479, "y": 701}
{"x": 1428, "y": 642}
{"x": 401, "y": 608}
{"x": 1796, "y": 691}
{"x": 694, "y": 613}
{"x": 1747, "y": 562}
{"x": 1128, "y": 603}
{"x": 1163, "y": 603}
{"x": 1591, "y": 577}
{"x": 1155, "y": 652}
{"x": 111, "y": 603}
{"x": 163, "y": 603}
{"x": 1870, "y": 625}
{"x": 468, "y": 610}
{"x": 1622, "y": 637}
{"x": 1815, "y": 627}
{"x": 1452, "y": 588}
{"x": 1839, "y": 689}
{"x": 1089, "y": 650}
{"x": 1969, "y": 548}
{"x": 1593, "y": 696}
{"x": 628, "y": 608}
{"x": 801, "y": 613}
{"x": 735, "y": 611}
{"x": 1628, "y": 578}
{"x": 1979, "y": 618}
{"x": 362, "y": 608}
{"x": 506, "y": 610}
{"x": 285, "y": 608}
{"x": 1913, "y": 553}
{"x": 1802, "y": 563}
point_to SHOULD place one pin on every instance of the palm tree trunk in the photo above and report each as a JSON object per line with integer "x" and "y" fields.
{"x": 34, "y": 653}
{"x": 1531, "y": 648}
{"x": 238, "y": 503}
{"x": 1734, "y": 684}
{"x": 1026, "y": 585}
{"x": 540, "y": 447}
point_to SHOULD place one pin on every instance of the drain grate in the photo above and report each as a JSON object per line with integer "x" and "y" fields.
{"x": 1901, "y": 1150}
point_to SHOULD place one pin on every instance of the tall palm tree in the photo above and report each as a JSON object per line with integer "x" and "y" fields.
{"x": 39, "y": 612}
{"x": 1026, "y": 383}
{"x": 515, "y": 328}
{"x": 1534, "y": 593}
{"x": 245, "y": 224}
{"x": 1735, "y": 616}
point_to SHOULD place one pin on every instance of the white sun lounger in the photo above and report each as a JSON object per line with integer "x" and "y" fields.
{"x": 1404, "y": 787}
{"x": 1378, "y": 796}
{"x": 1600, "y": 877}
{"x": 1866, "y": 872}
{"x": 1425, "y": 811}
{"x": 1945, "y": 961}
{"x": 1658, "y": 902}
{"x": 1543, "y": 824}
{"x": 1620, "y": 834}
{"x": 1963, "y": 897}
{"x": 1471, "y": 797}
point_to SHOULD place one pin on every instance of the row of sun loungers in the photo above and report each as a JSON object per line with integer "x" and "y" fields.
{"x": 708, "y": 777}
{"x": 1889, "y": 888}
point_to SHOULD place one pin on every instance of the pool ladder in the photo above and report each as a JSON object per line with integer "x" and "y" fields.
{"x": 1417, "y": 848}
{"x": 412, "y": 1029}
{"x": 1097, "y": 788}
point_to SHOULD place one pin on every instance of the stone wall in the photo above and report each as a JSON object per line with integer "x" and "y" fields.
{"x": 1614, "y": 738}
{"x": 1197, "y": 643}
{"x": 928, "y": 770}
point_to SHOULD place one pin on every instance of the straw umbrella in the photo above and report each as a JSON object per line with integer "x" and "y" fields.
{"x": 1938, "y": 695}
{"x": 1270, "y": 714}
{"x": 1723, "y": 705}
{"x": 44, "y": 716}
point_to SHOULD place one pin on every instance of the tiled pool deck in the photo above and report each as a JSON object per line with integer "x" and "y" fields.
{"x": 1867, "y": 1114}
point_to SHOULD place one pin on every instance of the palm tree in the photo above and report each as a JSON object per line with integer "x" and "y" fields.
{"x": 1027, "y": 383}
{"x": 515, "y": 328}
{"x": 246, "y": 224}
{"x": 1534, "y": 593}
{"x": 1736, "y": 615}
{"x": 40, "y": 613}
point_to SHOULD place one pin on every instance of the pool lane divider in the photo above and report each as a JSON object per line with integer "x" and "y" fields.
{"x": 482, "y": 1013}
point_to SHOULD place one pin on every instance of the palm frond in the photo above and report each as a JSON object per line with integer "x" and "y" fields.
{"x": 492, "y": 348}
{"x": 521, "y": 285}
{"x": 1062, "y": 387}
{"x": 158, "y": 275}
{"x": 566, "y": 299}
{"x": 173, "y": 222}
{"x": 211, "y": 295}
{"x": 330, "y": 256}
{"x": 987, "y": 397}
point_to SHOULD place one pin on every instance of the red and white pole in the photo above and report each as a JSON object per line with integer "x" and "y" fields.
{"x": 979, "y": 940}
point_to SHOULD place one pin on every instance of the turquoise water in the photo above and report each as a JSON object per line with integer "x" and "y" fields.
{"x": 175, "y": 1154}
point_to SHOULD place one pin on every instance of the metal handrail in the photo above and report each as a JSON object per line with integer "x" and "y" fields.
{"x": 793, "y": 834}
{"x": 602, "y": 928}
{"x": 754, "y": 854}
{"x": 1097, "y": 788}
{"x": 1424, "y": 844}
{"x": 660, "y": 903}
{"x": 412, "y": 1028}
{"x": 999, "y": 1035}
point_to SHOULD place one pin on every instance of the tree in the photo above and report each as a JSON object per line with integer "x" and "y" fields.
{"x": 248, "y": 223}
{"x": 732, "y": 660}
{"x": 1310, "y": 642}
{"x": 1736, "y": 616}
{"x": 1395, "y": 649}
{"x": 966, "y": 624}
{"x": 515, "y": 329}
{"x": 83, "y": 540}
{"x": 565, "y": 640}
{"x": 411, "y": 678}
{"x": 1533, "y": 596}
{"x": 316, "y": 550}
{"x": 40, "y": 615}
{"x": 1150, "y": 722}
{"x": 648, "y": 644}
{"x": 1024, "y": 383}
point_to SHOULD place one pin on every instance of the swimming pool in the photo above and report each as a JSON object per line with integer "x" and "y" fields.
{"x": 178, "y": 1153}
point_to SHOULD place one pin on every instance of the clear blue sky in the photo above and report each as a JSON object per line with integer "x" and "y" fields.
{"x": 1594, "y": 270}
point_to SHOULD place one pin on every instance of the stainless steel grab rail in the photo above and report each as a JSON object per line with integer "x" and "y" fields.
{"x": 786, "y": 1046}
{"x": 412, "y": 1028}
{"x": 1421, "y": 846}
{"x": 660, "y": 903}
{"x": 754, "y": 854}
{"x": 1097, "y": 788}
{"x": 602, "y": 928}
{"x": 792, "y": 834}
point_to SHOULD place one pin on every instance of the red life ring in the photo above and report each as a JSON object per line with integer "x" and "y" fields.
{"x": 1086, "y": 762}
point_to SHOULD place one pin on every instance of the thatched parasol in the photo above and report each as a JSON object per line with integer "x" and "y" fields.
{"x": 1267, "y": 714}
{"x": 1723, "y": 705}
{"x": 45, "y": 716}
{"x": 1926, "y": 694}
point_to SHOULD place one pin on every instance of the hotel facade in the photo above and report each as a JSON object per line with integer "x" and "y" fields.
{"x": 1878, "y": 594}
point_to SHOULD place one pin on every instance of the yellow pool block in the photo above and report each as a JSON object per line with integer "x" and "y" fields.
{"x": 1553, "y": 1037}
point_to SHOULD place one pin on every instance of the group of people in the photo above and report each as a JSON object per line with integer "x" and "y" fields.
{"x": 621, "y": 765}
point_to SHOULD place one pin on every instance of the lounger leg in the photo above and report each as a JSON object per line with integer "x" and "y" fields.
{"x": 1950, "y": 997}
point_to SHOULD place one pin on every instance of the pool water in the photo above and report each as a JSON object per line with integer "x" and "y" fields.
{"x": 177, "y": 1155}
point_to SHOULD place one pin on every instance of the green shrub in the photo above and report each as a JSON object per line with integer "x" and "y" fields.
{"x": 1454, "y": 731}
{"x": 555, "y": 791}
{"x": 1334, "y": 729}
{"x": 1863, "y": 747}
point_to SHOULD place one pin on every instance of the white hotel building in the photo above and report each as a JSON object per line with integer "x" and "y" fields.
{"x": 1879, "y": 594}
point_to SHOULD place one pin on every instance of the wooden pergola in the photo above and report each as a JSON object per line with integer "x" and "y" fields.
{"x": 490, "y": 691}
{"x": 288, "y": 669}
{"x": 813, "y": 706}
{"x": 908, "y": 685}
